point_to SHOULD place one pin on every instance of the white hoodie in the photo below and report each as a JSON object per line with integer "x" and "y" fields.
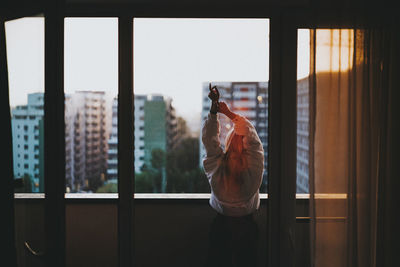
{"x": 247, "y": 199}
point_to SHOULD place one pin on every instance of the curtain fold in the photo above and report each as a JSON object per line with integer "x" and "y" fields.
{"x": 349, "y": 100}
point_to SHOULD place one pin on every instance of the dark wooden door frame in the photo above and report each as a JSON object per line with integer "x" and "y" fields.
{"x": 7, "y": 248}
{"x": 282, "y": 142}
{"x": 125, "y": 142}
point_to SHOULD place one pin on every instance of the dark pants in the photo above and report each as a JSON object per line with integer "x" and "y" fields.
{"x": 233, "y": 241}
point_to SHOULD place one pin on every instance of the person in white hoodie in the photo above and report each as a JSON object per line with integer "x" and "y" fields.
{"x": 235, "y": 176}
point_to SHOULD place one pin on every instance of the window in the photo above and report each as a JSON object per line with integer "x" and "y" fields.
{"x": 333, "y": 53}
{"x": 25, "y": 55}
{"x": 303, "y": 61}
{"x": 185, "y": 55}
{"x": 91, "y": 88}
{"x": 157, "y": 106}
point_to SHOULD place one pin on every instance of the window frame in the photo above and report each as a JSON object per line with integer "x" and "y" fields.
{"x": 281, "y": 18}
{"x": 124, "y": 91}
{"x": 279, "y": 206}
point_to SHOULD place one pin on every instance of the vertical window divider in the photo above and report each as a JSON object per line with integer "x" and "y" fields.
{"x": 282, "y": 142}
{"x": 8, "y": 252}
{"x": 54, "y": 135}
{"x": 274, "y": 136}
{"x": 125, "y": 142}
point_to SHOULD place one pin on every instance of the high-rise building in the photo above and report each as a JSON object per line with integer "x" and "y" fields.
{"x": 159, "y": 125}
{"x": 112, "y": 161}
{"x": 249, "y": 99}
{"x": 28, "y": 141}
{"x": 87, "y": 124}
{"x": 139, "y": 103}
{"x": 302, "y": 136}
{"x": 155, "y": 128}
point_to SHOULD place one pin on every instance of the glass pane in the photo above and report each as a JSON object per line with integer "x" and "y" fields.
{"x": 91, "y": 88}
{"x": 326, "y": 93}
{"x": 333, "y": 55}
{"x": 25, "y": 55}
{"x": 174, "y": 61}
{"x": 303, "y": 70}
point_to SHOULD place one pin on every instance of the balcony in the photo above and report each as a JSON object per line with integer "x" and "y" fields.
{"x": 164, "y": 224}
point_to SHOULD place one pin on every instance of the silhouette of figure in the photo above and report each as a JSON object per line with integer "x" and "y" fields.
{"x": 235, "y": 176}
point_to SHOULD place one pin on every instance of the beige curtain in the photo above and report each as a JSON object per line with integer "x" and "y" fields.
{"x": 349, "y": 75}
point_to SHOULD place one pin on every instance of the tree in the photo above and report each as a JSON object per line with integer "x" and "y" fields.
{"x": 108, "y": 188}
{"x": 26, "y": 184}
{"x": 144, "y": 182}
{"x": 183, "y": 171}
{"x": 158, "y": 160}
{"x": 182, "y": 128}
{"x": 95, "y": 182}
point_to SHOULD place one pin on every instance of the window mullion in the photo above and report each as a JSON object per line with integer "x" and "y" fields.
{"x": 54, "y": 135}
{"x": 7, "y": 187}
{"x": 282, "y": 142}
{"x": 125, "y": 141}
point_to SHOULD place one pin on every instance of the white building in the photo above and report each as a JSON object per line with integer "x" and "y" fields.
{"x": 87, "y": 125}
{"x": 112, "y": 160}
{"x": 28, "y": 135}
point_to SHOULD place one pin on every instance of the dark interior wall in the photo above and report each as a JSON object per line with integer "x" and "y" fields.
{"x": 91, "y": 234}
{"x": 29, "y": 227}
{"x": 11, "y": 9}
{"x": 178, "y": 233}
{"x": 174, "y": 232}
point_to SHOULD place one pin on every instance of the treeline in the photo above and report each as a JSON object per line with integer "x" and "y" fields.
{"x": 175, "y": 171}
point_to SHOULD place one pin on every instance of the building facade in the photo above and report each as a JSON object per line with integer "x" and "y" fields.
{"x": 28, "y": 141}
{"x": 302, "y": 136}
{"x": 155, "y": 128}
{"x": 87, "y": 125}
{"x": 112, "y": 159}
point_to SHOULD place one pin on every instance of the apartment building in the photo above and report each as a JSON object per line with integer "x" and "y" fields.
{"x": 28, "y": 141}
{"x": 155, "y": 127}
{"x": 302, "y": 136}
{"x": 112, "y": 159}
{"x": 87, "y": 124}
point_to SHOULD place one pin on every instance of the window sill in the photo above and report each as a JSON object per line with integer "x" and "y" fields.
{"x": 181, "y": 196}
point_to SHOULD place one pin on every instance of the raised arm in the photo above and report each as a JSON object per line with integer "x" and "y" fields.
{"x": 210, "y": 135}
{"x": 253, "y": 148}
{"x": 210, "y": 131}
{"x": 224, "y": 109}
